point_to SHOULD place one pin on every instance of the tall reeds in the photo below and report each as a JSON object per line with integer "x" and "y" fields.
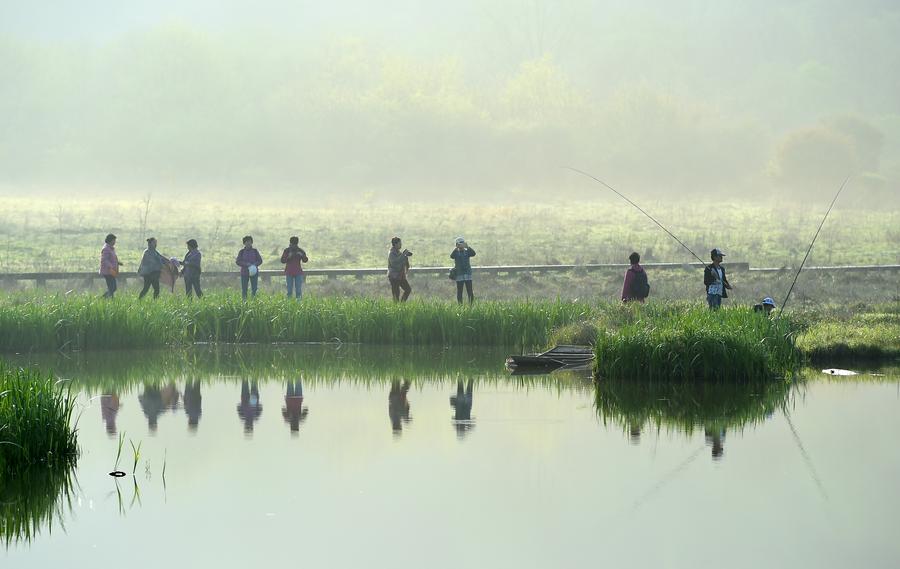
{"x": 53, "y": 322}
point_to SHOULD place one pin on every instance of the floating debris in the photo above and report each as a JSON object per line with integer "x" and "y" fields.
{"x": 833, "y": 371}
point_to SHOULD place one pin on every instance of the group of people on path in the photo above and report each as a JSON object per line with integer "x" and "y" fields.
{"x": 155, "y": 267}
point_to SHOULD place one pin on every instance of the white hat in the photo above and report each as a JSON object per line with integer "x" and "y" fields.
{"x": 460, "y": 240}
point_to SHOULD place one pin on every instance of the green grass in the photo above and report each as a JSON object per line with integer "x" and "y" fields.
{"x": 37, "y": 427}
{"x": 34, "y": 323}
{"x": 869, "y": 335}
{"x": 673, "y": 342}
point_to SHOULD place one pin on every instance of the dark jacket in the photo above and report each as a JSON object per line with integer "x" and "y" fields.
{"x": 709, "y": 277}
{"x": 461, "y": 258}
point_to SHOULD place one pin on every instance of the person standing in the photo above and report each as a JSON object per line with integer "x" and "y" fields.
{"x": 292, "y": 258}
{"x": 150, "y": 268}
{"x": 463, "y": 269}
{"x": 109, "y": 265}
{"x": 249, "y": 260}
{"x": 635, "y": 286}
{"x": 398, "y": 270}
{"x": 191, "y": 272}
{"x": 715, "y": 280}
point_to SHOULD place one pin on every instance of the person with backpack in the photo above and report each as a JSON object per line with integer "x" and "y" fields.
{"x": 715, "y": 281}
{"x": 636, "y": 287}
{"x": 293, "y": 258}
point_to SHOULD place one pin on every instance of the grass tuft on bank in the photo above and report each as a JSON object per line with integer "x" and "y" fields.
{"x": 691, "y": 343}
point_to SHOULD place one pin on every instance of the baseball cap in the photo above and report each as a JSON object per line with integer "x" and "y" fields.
{"x": 460, "y": 240}
{"x": 716, "y": 253}
{"x": 768, "y": 301}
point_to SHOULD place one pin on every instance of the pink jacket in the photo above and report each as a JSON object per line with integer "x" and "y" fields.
{"x": 109, "y": 261}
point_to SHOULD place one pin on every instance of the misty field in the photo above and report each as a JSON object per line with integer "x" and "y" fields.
{"x": 66, "y": 234}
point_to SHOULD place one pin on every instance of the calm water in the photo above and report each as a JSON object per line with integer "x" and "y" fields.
{"x": 441, "y": 459}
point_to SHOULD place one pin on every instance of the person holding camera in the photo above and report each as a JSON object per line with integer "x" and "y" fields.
{"x": 462, "y": 269}
{"x": 292, "y": 257}
{"x": 398, "y": 269}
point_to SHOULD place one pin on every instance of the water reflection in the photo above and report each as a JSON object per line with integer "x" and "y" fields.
{"x": 33, "y": 501}
{"x": 293, "y": 411}
{"x": 193, "y": 404}
{"x": 462, "y": 406}
{"x": 155, "y": 401}
{"x": 249, "y": 409}
{"x": 109, "y": 409}
{"x": 398, "y": 406}
{"x": 714, "y": 408}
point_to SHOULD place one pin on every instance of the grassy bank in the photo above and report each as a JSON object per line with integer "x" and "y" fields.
{"x": 40, "y": 323}
{"x": 851, "y": 333}
{"x": 36, "y": 423}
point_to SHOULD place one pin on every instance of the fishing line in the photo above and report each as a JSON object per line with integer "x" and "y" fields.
{"x": 640, "y": 209}
{"x": 816, "y": 236}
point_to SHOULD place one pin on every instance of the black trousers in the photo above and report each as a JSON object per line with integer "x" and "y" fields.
{"x": 396, "y": 285}
{"x": 192, "y": 284}
{"x": 151, "y": 279}
{"x": 459, "y": 289}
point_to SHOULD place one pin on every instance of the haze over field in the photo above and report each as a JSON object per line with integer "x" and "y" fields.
{"x": 485, "y": 99}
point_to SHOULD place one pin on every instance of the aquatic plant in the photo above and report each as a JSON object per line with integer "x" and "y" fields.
{"x": 678, "y": 343}
{"x": 36, "y": 422}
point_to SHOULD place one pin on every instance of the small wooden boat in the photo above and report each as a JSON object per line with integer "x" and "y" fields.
{"x": 558, "y": 357}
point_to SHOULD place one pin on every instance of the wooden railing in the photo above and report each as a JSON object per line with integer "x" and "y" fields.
{"x": 41, "y": 279}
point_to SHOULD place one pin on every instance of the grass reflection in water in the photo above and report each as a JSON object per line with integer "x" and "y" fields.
{"x": 714, "y": 407}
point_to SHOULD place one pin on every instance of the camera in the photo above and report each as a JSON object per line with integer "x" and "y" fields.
{"x": 407, "y": 252}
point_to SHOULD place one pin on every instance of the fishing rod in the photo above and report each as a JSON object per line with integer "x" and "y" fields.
{"x": 640, "y": 209}
{"x": 816, "y": 236}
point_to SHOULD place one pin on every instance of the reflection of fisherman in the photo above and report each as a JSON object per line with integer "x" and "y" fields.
{"x": 398, "y": 406}
{"x": 109, "y": 408}
{"x": 462, "y": 405}
{"x": 192, "y": 404}
{"x": 716, "y": 439}
{"x": 293, "y": 411}
{"x": 249, "y": 409}
{"x": 155, "y": 401}
{"x": 634, "y": 433}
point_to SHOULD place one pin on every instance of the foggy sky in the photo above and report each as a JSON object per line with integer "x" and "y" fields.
{"x": 417, "y": 99}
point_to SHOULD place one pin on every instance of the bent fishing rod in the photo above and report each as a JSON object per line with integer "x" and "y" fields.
{"x": 808, "y": 251}
{"x": 640, "y": 209}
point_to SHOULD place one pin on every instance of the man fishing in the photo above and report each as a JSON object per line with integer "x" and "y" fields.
{"x": 715, "y": 280}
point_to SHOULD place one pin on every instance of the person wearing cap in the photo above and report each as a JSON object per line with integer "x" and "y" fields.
{"x": 463, "y": 266}
{"x": 767, "y": 305}
{"x": 715, "y": 280}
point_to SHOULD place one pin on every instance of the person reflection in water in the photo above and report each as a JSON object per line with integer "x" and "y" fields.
{"x": 293, "y": 411}
{"x": 109, "y": 408}
{"x": 716, "y": 439}
{"x": 192, "y": 404}
{"x": 155, "y": 401}
{"x": 462, "y": 405}
{"x": 398, "y": 406}
{"x": 634, "y": 433}
{"x": 249, "y": 409}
